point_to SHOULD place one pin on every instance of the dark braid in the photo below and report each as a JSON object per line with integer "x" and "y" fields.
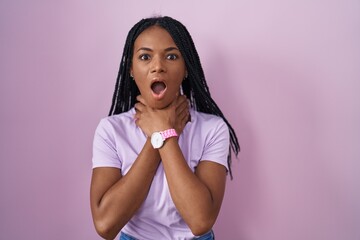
{"x": 194, "y": 86}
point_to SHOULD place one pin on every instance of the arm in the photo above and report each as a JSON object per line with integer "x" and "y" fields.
{"x": 114, "y": 199}
{"x": 198, "y": 196}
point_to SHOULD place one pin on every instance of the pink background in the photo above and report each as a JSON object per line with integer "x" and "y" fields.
{"x": 285, "y": 73}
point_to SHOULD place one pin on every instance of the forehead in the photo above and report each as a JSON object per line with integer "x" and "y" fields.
{"x": 154, "y": 37}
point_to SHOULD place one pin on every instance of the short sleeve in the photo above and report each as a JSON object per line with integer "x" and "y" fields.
{"x": 104, "y": 146}
{"x": 217, "y": 144}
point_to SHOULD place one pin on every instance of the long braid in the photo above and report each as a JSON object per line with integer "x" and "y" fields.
{"x": 194, "y": 86}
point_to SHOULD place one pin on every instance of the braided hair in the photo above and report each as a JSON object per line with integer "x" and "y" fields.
{"x": 194, "y": 85}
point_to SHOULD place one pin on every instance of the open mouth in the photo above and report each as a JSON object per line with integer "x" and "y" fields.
{"x": 158, "y": 87}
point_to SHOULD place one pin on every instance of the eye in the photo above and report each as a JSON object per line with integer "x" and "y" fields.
{"x": 144, "y": 57}
{"x": 172, "y": 57}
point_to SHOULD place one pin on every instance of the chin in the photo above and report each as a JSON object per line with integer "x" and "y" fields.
{"x": 159, "y": 104}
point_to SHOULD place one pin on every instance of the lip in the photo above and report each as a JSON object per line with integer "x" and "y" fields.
{"x": 161, "y": 95}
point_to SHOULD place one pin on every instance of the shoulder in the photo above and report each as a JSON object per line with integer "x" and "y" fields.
{"x": 118, "y": 122}
{"x": 212, "y": 134}
{"x": 126, "y": 117}
{"x": 206, "y": 128}
{"x": 207, "y": 121}
{"x": 115, "y": 127}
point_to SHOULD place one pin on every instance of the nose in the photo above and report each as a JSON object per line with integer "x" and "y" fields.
{"x": 158, "y": 65}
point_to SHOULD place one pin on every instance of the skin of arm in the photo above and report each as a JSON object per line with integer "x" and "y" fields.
{"x": 114, "y": 198}
{"x": 197, "y": 196}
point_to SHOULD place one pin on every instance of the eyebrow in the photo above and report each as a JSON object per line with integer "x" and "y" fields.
{"x": 150, "y": 50}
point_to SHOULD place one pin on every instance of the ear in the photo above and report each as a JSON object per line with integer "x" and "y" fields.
{"x": 186, "y": 73}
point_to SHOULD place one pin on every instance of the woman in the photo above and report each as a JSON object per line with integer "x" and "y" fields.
{"x": 161, "y": 157}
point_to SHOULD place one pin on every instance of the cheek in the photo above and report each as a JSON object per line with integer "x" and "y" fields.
{"x": 140, "y": 86}
{"x": 175, "y": 84}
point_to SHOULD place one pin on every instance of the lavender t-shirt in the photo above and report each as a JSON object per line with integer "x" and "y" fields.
{"x": 117, "y": 143}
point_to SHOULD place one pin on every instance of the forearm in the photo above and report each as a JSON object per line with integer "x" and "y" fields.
{"x": 124, "y": 198}
{"x": 191, "y": 197}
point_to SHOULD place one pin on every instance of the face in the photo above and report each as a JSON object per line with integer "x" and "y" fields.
{"x": 157, "y": 67}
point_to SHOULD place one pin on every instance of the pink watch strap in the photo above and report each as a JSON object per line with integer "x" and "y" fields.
{"x": 168, "y": 133}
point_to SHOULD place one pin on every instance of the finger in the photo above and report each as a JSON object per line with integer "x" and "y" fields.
{"x": 139, "y": 107}
{"x": 137, "y": 114}
{"x": 184, "y": 103}
{"x": 173, "y": 104}
{"x": 180, "y": 100}
{"x": 183, "y": 116}
{"x": 182, "y": 111}
{"x": 186, "y": 119}
{"x": 183, "y": 107}
{"x": 141, "y": 99}
{"x": 181, "y": 123}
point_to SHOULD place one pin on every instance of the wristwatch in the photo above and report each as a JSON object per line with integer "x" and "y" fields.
{"x": 158, "y": 138}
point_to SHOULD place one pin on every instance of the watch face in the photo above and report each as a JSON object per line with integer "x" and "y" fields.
{"x": 157, "y": 140}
